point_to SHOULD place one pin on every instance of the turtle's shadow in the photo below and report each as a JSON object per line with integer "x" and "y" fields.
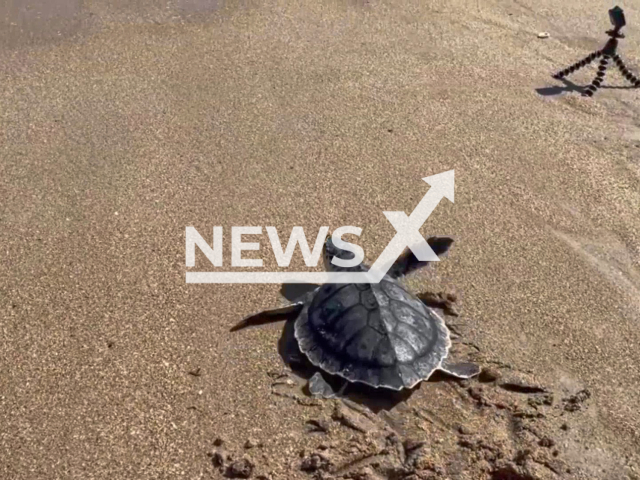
{"x": 376, "y": 399}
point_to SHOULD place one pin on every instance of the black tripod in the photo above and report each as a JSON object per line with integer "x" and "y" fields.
{"x": 607, "y": 53}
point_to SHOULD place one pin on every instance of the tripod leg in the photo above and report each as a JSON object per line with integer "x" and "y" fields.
{"x": 625, "y": 71}
{"x": 576, "y": 66}
{"x": 591, "y": 89}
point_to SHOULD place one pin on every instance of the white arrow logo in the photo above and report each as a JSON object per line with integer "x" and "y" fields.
{"x": 408, "y": 228}
{"x": 407, "y": 235}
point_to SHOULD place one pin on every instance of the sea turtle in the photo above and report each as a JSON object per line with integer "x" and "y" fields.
{"x": 377, "y": 334}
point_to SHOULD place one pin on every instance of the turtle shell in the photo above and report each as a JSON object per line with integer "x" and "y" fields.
{"x": 377, "y": 334}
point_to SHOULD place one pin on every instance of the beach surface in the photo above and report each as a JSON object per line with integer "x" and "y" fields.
{"x": 123, "y": 123}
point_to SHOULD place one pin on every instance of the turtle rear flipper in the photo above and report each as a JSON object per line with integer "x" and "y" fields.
{"x": 270, "y": 316}
{"x": 319, "y": 387}
{"x": 408, "y": 263}
{"x": 460, "y": 370}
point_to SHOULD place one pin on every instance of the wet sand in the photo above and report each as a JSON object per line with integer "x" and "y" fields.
{"x": 121, "y": 125}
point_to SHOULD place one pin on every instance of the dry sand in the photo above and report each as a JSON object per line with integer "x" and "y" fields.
{"x": 122, "y": 123}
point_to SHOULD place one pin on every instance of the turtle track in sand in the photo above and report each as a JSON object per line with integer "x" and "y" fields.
{"x": 502, "y": 426}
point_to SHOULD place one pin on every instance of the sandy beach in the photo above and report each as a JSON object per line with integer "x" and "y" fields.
{"x": 123, "y": 123}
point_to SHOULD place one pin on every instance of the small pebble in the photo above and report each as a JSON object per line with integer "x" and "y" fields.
{"x": 547, "y": 442}
{"x": 217, "y": 458}
{"x": 240, "y": 469}
{"x": 314, "y": 463}
{"x": 543, "y": 35}
{"x": 218, "y": 442}
{"x": 489, "y": 375}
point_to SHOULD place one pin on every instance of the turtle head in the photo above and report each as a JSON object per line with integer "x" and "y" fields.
{"x": 330, "y": 250}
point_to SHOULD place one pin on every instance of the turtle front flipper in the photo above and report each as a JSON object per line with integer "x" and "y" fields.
{"x": 460, "y": 370}
{"x": 408, "y": 263}
{"x": 270, "y": 316}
